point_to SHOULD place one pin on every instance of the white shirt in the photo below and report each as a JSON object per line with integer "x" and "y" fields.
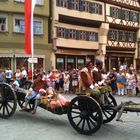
{"x": 8, "y": 74}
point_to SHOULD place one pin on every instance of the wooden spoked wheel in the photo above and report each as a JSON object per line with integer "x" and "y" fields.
{"x": 85, "y": 115}
{"x": 21, "y": 101}
{"x": 108, "y": 112}
{"x": 8, "y": 100}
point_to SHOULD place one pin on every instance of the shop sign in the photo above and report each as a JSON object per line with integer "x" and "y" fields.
{"x": 32, "y": 60}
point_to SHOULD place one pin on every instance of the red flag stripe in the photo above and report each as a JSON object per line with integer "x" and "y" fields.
{"x": 27, "y": 25}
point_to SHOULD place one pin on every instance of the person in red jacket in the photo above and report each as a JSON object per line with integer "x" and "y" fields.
{"x": 34, "y": 92}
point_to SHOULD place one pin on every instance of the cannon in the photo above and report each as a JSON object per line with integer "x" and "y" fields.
{"x": 85, "y": 114}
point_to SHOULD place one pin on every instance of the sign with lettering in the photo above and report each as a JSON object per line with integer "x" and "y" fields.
{"x": 32, "y": 60}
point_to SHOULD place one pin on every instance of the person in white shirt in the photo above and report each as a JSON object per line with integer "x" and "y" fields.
{"x": 66, "y": 82}
{"x": 8, "y": 75}
{"x": 23, "y": 73}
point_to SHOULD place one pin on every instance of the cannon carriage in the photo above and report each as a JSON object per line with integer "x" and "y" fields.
{"x": 84, "y": 113}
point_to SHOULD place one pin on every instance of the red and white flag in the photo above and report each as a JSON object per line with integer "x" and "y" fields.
{"x": 29, "y": 6}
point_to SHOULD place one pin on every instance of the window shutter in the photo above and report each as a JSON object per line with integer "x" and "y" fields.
{"x": 96, "y": 37}
{"x": 91, "y": 7}
{"x": 109, "y": 35}
{"x": 138, "y": 17}
{"x": 57, "y": 31}
{"x": 100, "y": 9}
{"x": 69, "y": 4}
{"x": 66, "y": 33}
{"x": 115, "y": 35}
{"x": 127, "y": 36}
{"x": 119, "y": 35}
{"x": 123, "y": 14}
{"x": 77, "y": 35}
{"x": 111, "y": 11}
{"x": 87, "y": 36}
{"x": 80, "y": 5}
{"x": 120, "y": 13}
{"x": 57, "y": 2}
{"x": 134, "y": 37}
{"x": 131, "y": 15}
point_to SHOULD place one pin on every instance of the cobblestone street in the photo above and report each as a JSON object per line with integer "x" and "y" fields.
{"x": 45, "y": 125}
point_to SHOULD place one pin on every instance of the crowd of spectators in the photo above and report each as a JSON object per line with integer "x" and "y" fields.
{"x": 124, "y": 81}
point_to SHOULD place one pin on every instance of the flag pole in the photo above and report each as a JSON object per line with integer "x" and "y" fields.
{"x": 29, "y": 6}
{"x": 32, "y": 37}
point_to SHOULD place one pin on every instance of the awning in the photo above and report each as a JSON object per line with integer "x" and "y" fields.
{"x": 27, "y": 56}
{"x": 6, "y": 55}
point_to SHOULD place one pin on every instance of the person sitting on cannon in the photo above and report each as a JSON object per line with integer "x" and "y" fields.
{"x": 87, "y": 83}
{"x": 52, "y": 99}
{"x": 91, "y": 81}
{"x": 34, "y": 92}
{"x": 99, "y": 78}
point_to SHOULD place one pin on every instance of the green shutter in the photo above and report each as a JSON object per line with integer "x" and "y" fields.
{"x": 111, "y": 11}
{"x": 131, "y": 15}
{"x": 120, "y": 14}
{"x": 138, "y": 17}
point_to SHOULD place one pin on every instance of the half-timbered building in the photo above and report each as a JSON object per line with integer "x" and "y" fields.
{"x": 105, "y": 29}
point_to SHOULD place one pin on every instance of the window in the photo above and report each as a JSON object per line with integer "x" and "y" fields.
{"x": 60, "y": 32}
{"x": 134, "y": 16}
{"x": 38, "y": 27}
{"x": 40, "y": 2}
{"x": 112, "y": 35}
{"x": 75, "y": 4}
{"x": 72, "y": 34}
{"x": 122, "y": 36}
{"x": 20, "y": 62}
{"x": 2, "y": 24}
{"x": 39, "y": 63}
{"x": 125, "y": 15}
{"x": 5, "y": 62}
{"x": 131, "y": 36}
{"x": 114, "y": 12}
{"x": 70, "y": 63}
{"x": 19, "y": 1}
{"x": 77, "y": 34}
{"x": 19, "y": 25}
{"x": 80, "y": 5}
{"x": 86, "y": 6}
{"x": 92, "y": 36}
{"x": 60, "y": 63}
{"x": 82, "y": 35}
{"x": 96, "y": 8}
{"x": 80, "y": 62}
{"x": 63, "y": 3}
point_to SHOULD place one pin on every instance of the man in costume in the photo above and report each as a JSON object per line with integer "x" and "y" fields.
{"x": 91, "y": 81}
{"x": 88, "y": 85}
{"x": 34, "y": 92}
